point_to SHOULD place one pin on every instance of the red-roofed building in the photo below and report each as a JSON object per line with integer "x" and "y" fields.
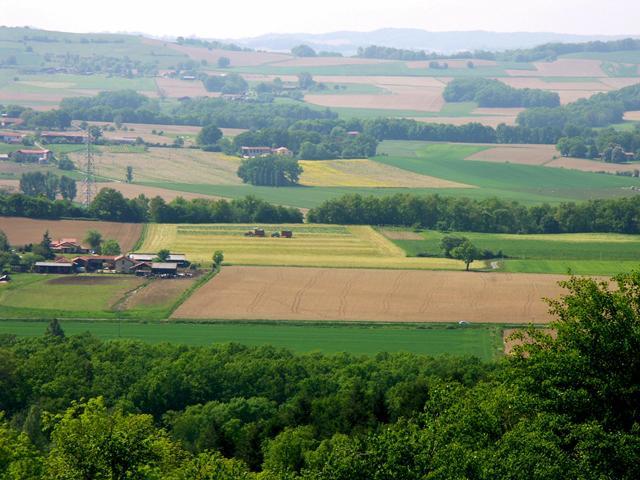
{"x": 67, "y": 245}
{"x": 63, "y": 137}
{"x": 32, "y": 156}
{"x": 11, "y": 137}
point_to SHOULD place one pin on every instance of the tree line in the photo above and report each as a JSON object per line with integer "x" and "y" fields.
{"x": 490, "y": 215}
{"x": 611, "y": 145}
{"x": 493, "y": 93}
{"x": 111, "y": 205}
{"x": 560, "y": 407}
{"x": 49, "y": 185}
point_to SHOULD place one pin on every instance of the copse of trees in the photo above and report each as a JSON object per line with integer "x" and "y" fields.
{"x": 493, "y": 93}
{"x": 111, "y": 205}
{"x": 270, "y": 170}
{"x": 303, "y": 51}
{"x": 230, "y": 83}
{"x": 609, "y": 144}
{"x": 561, "y": 407}
{"x": 489, "y": 215}
{"x": 48, "y": 185}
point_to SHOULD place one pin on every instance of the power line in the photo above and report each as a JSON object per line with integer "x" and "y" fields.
{"x": 89, "y": 181}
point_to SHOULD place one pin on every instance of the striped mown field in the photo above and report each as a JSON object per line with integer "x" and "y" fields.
{"x": 311, "y": 246}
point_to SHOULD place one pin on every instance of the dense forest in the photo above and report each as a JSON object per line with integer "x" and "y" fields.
{"x": 109, "y": 204}
{"x": 489, "y": 215}
{"x": 493, "y": 93}
{"x": 560, "y": 407}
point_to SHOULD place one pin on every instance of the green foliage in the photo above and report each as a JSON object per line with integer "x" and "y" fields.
{"x": 94, "y": 240}
{"x": 493, "y": 93}
{"x": 231, "y": 83}
{"x": 4, "y": 242}
{"x": 218, "y": 258}
{"x": 465, "y": 251}
{"x": 110, "y": 247}
{"x": 209, "y": 135}
{"x": 303, "y": 51}
{"x": 163, "y": 255}
{"x": 273, "y": 171}
{"x": 54, "y": 329}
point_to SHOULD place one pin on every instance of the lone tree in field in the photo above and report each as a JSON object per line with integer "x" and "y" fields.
{"x": 129, "y": 175}
{"x": 163, "y": 255}
{"x": 467, "y": 252}
{"x": 209, "y": 135}
{"x": 224, "y": 62}
{"x": 54, "y": 329}
{"x": 449, "y": 242}
{"x": 218, "y": 258}
{"x": 94, "y": 239}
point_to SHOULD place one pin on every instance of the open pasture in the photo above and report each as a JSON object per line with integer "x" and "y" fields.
{"x": 176, "y": 88}
{"x": 563, "y": 67}
{"x": 365, "y": 173}
{"x": 480, "y": 341}
{"x": 22, "y": 231}
{"x": 168, "y": 164}
{"x": 275, "y": 293}
{"x": 311, "y": 245}
{"x": 582, "y": 253}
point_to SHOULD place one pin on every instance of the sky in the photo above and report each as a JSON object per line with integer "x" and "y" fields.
{"x": 248, "y": 18}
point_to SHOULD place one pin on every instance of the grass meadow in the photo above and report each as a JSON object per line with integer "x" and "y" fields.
{"x": 479, "y": 340}
{"x": 582, "y": 254}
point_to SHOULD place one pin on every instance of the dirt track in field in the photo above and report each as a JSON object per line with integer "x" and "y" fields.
{"x": 279, "y": 293}
{"x": 22, "y": 231}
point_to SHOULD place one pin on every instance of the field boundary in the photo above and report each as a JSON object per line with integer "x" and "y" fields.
{"x": 191, "y": 290}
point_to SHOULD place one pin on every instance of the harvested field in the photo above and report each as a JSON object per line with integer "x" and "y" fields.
{"x": 146, "y": 132}
{"x": 563, "y": 67}
{"x": 570, "y": 96}
{"x": 22, "y": 231}
{"x": 617, "y": 83}
{"x": 169, "y": 165}
{"x": 520, "y": 154}
{"x": 366, "y": 173}
{"x": 327, "y": 62}
{"x": 159, "y": 293}
{"x": 591, "y": 165}
{"x": 176, "y": 88}
{"x": 384, "y": 81}
{"x": 401, "y": 97}
{"x": 392, "y": 234}
{"x": 238, "y": 59}
{"x": 278, "y": 293}
{"x": 632, "y": 116}
{"x": 312, "y": 245}
{"x": 503, "y": 112}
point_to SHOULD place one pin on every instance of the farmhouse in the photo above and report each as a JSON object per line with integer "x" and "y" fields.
{"x": 32, "y": 156}
{"x": 54, "y": 267}
{"x": 63, "y": 137}
{"x": 283, "y": 151}
{"x": 123, "y": 264}
{"x": 155, "y": 268}
{"x": 67, "y": 245}
{"x": 180, "y": 259}
{"x": 11, "y": 137}
{"x": 252, "y": 152}
{"x": 123, "y": 141}
{"x": 95, "y": 262}
{"x": 8, "y": 121}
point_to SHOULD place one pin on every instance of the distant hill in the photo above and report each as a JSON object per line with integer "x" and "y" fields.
{"x": 347, "y": 43}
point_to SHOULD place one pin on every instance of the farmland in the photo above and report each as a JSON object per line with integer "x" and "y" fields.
{"x": 582, "y": 254}
{"x": 87, "y": 296}
{"x": 367, "y": 339}
{"x": 311, "y": 245}
{"x": 276, "y": 293}
{"x": 22, "y": 231}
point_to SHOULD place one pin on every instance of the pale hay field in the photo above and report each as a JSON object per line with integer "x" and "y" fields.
{"x": 312, "y": 246}
{"x": 366, "y": 173}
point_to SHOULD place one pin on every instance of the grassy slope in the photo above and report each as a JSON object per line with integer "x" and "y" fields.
{"x": 481, "y": 341}
{"x": 595, "y": 254}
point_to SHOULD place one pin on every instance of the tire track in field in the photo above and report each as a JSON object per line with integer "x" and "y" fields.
{"x": 295, "y": 306}
{"x": 428, "y": 299}
{"x": 342, "y": 308}
{"x": 395, "y": 288}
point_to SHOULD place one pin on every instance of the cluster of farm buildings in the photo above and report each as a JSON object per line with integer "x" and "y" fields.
{"x": 141, "y": 264}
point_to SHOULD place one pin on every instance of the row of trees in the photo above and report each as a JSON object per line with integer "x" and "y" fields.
{"x": 562, "y": 407}
{"x": 493, "y": 93}
{"x": 49, "y": 185}
{"x": 109, "y": 204}
{"x": 488, "y": 215}
{"x": 270, "y": 170}
{"x": 609, "y": 144}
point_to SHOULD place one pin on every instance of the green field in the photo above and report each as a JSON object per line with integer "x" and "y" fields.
{"x": 104, "y": 296}
{"x": 481, "y": 341}
{"x": 588, "y": 254}
{"x": 526, "y": 183}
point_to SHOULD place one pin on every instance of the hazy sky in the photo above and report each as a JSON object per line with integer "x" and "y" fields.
{"x": 242, "y": 18}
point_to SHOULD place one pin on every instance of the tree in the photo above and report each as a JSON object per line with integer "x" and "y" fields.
{"x": 273, "y": 170}
{"x": 68, "y": 188}
{"x": 163, "y": 255}
{"x": 129, "y": 174}
{"x": 4, "y": 242}
{"x": 305, "y": 80}
{"x": 209, "y": 135}
{"x": 449, "y": 242}
{"x": 110, "y": 247}
{"x": 54, "y": 329}
{"x": 467, "y": 252}
{"x": 218, "y": 258}
{"x": 303, "y": 51}
{"x": 43, "y": 248}
{"x": 94, "y": 240}
{"x": 224, "y": 62}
